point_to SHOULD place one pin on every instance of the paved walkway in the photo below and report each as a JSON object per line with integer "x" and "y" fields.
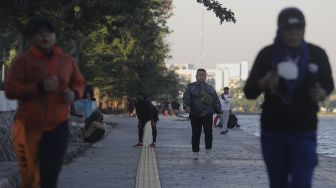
{"x": 113, "y": 163}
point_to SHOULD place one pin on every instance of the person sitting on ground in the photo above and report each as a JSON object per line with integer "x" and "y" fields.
{"x": 94, "y": 129}
{"x": 146, "y": 111}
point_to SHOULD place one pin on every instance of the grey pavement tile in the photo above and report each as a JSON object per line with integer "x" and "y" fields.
{"x": 237, "y": 163}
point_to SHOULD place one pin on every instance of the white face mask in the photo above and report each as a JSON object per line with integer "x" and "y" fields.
{"x": 288, "y": 70}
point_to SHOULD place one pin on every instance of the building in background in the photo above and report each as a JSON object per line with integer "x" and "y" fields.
{"x": 233, "y": 69}
{"x": 244, "y": 70}
{"x": 237, "y": 71}
{"x": 225, "y": 75}
{"x": 171, "y": 66}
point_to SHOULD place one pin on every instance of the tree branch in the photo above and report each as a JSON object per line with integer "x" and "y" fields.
{"x": 221, "y": 12}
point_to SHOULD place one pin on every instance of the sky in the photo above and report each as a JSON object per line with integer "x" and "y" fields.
{"x": 255, "y": 28}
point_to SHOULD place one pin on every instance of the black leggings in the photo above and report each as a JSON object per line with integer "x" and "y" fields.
{"x": 52, "y": 150}
{"x": 141, "y": 127}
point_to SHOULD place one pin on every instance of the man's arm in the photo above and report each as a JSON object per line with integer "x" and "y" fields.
{"x": 260, "y": 68}
{"x": 217, "y": 103}
{"x": 325, "y": 82}
{"x": 325, "y": 77}
{"x": 137, "y": 110}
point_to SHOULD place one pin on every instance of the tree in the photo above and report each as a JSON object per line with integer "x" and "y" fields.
{"x": 240, "y": 102}
{"x": 119, "y": 44}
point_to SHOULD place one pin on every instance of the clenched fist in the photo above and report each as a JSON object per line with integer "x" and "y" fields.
{"x": 70, "y": 96}
{"x": 50, "y": 84}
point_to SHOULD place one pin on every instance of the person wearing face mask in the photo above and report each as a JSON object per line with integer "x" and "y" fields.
{"x": 45, "y": 82}
{"x": 200, "y": 100}
{"x": 294, "y": 76}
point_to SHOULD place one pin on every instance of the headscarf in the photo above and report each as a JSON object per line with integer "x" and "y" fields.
{"x": 283, "y": 53}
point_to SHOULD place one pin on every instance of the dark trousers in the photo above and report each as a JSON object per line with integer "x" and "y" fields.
{"x": 196, "y": 124}
{"x": 141, "y": 126}
{"x": 290, "y": 158}
{"x": 51, "y": 154}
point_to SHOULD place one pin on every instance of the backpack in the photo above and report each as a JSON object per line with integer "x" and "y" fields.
{"x": 233, "y": 121}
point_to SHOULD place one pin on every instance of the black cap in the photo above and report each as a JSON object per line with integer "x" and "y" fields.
{"x": 36, "y": 24}
{"x": 289, "y": 17}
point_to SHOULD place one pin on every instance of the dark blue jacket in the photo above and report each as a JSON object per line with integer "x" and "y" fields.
{"x": 193, "y": 97}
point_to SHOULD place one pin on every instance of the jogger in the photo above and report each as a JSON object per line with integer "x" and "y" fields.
{"x": 294, "y": 76}
{"x": 45, "y": 81}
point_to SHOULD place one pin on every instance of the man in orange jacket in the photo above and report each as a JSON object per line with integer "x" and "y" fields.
{"x": 45, "y": 81}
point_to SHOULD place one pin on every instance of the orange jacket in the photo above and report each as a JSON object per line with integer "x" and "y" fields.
{"x": 41, "y": 110}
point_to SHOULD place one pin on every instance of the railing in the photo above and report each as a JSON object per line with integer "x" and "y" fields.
{"x": 6, "y": 122}
{"x": 6, "y": 149}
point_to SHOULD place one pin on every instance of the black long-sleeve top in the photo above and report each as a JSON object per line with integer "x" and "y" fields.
{"x": 145, "y": 111}
{"x": 300, "y": 115}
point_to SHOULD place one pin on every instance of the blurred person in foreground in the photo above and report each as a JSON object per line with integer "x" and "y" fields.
{"x": 45, "y": 81}
{"x": 294, "y": 76}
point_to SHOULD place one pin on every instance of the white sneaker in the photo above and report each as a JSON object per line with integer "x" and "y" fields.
{"x": 195, "y": 155}
{"x": 208, "y": 152}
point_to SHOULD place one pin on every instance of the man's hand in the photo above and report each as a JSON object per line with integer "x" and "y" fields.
{"x": 70, "y": 96}
{"x": 50, "y": 84}
{"x": 317, "y": 93}
{"x": 269, "y": 81}
{"x": 187, "y": 109}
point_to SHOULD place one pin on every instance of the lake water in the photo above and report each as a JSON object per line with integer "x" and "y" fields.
{"x": 326, "y": 131}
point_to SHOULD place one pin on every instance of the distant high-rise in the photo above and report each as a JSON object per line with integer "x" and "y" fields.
{"x": 180, "y": 66}
{"x": 226, "y": 79}
{"x": 244, "y": 70}
{"x": 219, "y": 82}
{"x": 233, "y": 68}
